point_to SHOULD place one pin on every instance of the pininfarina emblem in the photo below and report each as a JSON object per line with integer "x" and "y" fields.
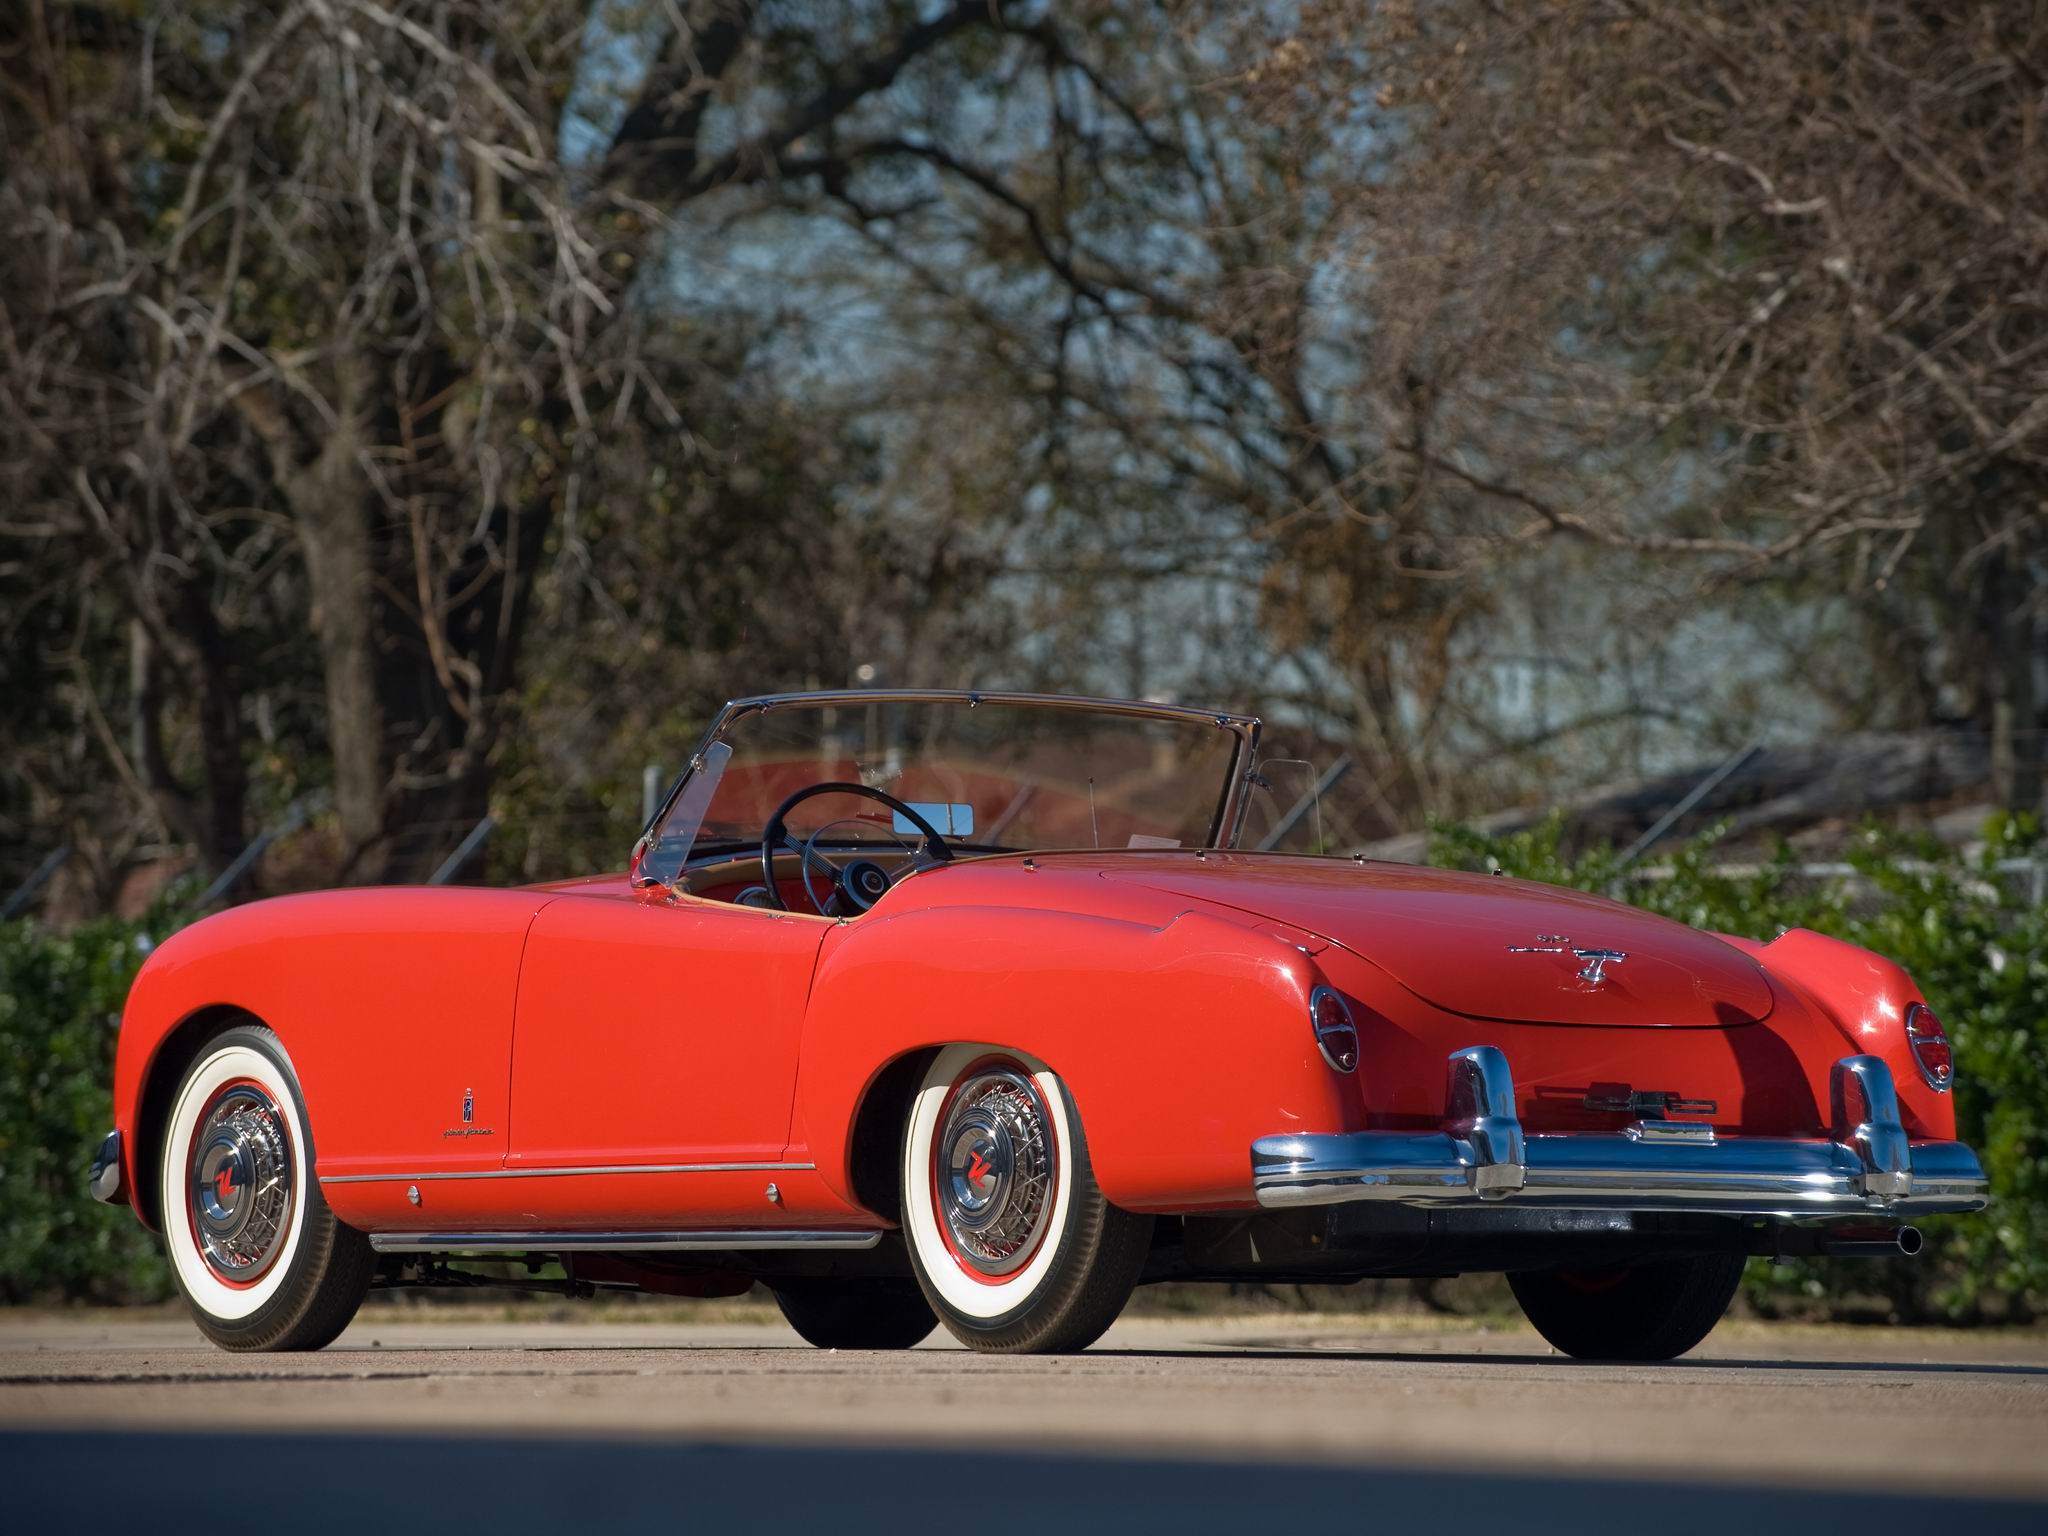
{"x": 1593, "y": 973}
{"x": 469, "y": 1127}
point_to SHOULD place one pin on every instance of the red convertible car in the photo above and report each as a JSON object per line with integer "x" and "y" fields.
{"x": 981, "y": 1009}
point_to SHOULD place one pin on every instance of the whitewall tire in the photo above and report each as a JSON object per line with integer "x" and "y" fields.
{"x": 1010, "y": 1239}
{"x": 252, "y": 1244}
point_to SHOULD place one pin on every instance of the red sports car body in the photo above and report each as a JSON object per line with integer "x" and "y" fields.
{"x": 905, "y": 1072}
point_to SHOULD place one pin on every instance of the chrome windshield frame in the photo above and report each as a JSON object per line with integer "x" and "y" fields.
{"x": 1224, "y": 827}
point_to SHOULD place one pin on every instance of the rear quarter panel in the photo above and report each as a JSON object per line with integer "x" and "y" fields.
{"x": 1182, "y": 1035}
{"x": 1865, "y": 996}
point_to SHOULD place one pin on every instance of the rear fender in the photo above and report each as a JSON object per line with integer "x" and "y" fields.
{"x": 1865, "y": 996}
{"x": 1180, "y": 1044}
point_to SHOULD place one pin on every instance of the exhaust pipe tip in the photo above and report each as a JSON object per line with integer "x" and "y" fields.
{"x": 1869, "y": 1242}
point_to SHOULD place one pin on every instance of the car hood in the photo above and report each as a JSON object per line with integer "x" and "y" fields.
{"x": 1475, "y": 944}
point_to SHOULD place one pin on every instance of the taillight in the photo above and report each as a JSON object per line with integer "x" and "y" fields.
{"x": 1336, "y": 1035}
{"x": 1931, "y": 1051}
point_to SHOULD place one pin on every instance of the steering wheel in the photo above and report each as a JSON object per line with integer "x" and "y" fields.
{"x": 862, "y": 882}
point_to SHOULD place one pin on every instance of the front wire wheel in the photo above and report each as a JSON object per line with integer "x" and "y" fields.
{"x": 1010, "y": 1238}
{"x": 856, "y": 1314}
{"x": 253, "y": 1246}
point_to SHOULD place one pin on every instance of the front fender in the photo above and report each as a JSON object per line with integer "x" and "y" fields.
{"x": 390, "y": 1003}
{"x": 1181, "y": 1044}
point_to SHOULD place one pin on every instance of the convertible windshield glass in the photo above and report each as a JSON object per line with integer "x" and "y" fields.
{"x": 989, "y": 776}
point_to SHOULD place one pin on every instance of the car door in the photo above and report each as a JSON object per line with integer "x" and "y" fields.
{"x": 654, "y": 1060}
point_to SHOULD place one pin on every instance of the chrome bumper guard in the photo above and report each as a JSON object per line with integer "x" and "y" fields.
{"x": 1482, "y": 1154}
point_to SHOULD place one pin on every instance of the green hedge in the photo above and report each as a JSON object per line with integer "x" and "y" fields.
{"x": 1977, "y": 944}
{"x": 60, "y": 1007}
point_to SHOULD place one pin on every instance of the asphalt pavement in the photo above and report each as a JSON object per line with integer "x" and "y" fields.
{"x": 110, "y": 1422}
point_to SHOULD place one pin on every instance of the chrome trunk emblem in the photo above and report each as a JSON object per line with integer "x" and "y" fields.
{"x": 1593, "y": 973}
{"x": 1597, "y": 961}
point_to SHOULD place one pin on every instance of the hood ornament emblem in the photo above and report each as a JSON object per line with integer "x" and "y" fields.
{"x": 1597, "y": 960}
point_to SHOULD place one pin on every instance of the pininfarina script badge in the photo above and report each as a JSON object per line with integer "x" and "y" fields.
{"x": 468, "y": 1127}
{"x": 1597, "y": 960}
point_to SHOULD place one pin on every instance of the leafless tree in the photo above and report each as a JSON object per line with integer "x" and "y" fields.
{"x": 320, "y": 287}
{"x": 1752, "y": 289}
{"x": 369, "y": 383}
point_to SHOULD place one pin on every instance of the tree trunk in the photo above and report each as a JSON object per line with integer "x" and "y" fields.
{"x": 212, "y": 817}
{"x": 333, "y": 504}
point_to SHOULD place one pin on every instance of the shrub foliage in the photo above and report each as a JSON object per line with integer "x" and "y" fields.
{"x": 60, "y": 1006}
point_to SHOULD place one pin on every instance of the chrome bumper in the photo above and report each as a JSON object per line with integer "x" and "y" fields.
{"x": 1481, "y": 1154}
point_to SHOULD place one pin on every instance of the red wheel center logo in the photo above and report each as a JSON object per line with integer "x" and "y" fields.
{"x": 224, "y": 1182}
{"x": 979, "y": 1170}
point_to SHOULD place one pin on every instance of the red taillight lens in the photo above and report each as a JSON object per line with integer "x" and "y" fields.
{"x": 1930, "y": 1047}
{"x": 1336, "y": 1035}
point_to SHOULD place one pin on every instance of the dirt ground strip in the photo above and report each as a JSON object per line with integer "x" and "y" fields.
{"x": 1759, "y": 1413}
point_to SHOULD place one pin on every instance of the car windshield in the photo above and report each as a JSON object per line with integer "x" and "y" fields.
{"x": 991, "y": 774}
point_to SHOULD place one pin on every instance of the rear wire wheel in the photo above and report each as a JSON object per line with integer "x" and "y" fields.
{"x": 1010, "y": 1238}
{"x": 252, "y": 1244}
{"x": 1639, "y": 1312}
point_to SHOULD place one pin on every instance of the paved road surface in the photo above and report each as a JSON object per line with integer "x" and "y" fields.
{"x": 135, "y": 1426}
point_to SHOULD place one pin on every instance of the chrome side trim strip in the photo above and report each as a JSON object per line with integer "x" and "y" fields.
{"x": 558, "y": 1173}
{"x": 1867, "y": 1166}
{"x": 618, "y": 1242}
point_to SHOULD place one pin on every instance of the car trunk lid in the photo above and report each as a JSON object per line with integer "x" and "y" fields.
{"x": 1485, "y": 946}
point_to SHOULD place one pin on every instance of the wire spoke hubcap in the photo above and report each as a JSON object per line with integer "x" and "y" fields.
{"x": 241, "y": 1182}
{"x": 997, "y": 1161}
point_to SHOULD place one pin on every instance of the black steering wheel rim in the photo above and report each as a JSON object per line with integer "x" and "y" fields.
{"x": 777, "y": 831}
